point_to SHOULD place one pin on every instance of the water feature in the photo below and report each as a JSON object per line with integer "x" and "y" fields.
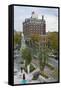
{"x": 24, "y": 81}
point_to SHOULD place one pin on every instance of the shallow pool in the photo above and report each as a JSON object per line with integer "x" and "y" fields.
{"x": 24, "y": 81}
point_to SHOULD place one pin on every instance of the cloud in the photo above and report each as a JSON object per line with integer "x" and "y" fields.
{"x": 51, "y": 22}
{"x": 50, "y": 15}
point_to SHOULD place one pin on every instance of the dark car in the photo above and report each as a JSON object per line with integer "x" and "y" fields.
{"x": 36, "y": 75}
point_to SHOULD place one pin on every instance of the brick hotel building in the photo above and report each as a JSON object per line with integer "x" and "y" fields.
{"x": 33, "y": 25}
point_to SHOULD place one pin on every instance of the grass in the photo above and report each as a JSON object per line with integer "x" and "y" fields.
{"x": 44, "y": 75}
{"x": 55, "y": 74}
{"x": 50, "y": 66}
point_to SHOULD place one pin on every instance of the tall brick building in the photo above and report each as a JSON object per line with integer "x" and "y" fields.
{"x": 33, "y": 25}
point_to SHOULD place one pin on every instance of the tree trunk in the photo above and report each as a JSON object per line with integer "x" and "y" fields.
{"x": 28, "y": 68}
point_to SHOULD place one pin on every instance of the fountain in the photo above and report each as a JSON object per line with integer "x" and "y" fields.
{"x": 24, "y": 81}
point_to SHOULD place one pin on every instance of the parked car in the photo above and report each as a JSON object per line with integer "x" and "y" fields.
{"x": 36, "y": 75}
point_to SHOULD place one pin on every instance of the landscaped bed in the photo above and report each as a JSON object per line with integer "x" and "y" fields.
{"x": 50, "y": 66}
{"x": 43, "y": 74}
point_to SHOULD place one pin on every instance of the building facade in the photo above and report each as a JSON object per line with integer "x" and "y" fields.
{"x": 33, "y": 25}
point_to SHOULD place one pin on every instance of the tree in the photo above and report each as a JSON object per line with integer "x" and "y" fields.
{"x": 35, "y": 39}
{"x": 53, "y": 39}
{"x": 26, "y": 55}
{"x": 43, "y": 57}
{"x": 40, "y": 61}
{"x": 17, "y": 38}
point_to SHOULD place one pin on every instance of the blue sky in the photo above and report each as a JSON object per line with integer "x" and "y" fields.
{"x": 50, "y": 15}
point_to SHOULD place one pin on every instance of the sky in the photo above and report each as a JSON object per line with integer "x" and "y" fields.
{"x": 50, "y": 16}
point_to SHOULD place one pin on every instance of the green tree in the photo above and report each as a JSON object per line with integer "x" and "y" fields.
{"x": 35, "y": 38}
{"x": 26, "y": 55}
{"x": 17, "y": 38}
{"x": 53, "y": 39}
{"x": 43, "y": 58}
{"x": 40, "y": 61}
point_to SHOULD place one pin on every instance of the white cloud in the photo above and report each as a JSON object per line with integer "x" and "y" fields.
{"x": 51, "y": 22}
